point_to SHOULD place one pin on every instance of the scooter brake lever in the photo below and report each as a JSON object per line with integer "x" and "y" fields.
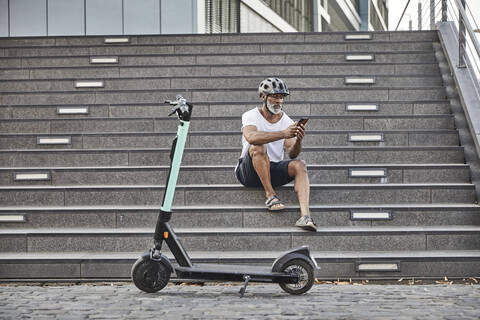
{"x": 172, "y": 103}
{"x": 173, "y": 111}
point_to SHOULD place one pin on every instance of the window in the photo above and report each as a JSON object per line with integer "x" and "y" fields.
{"x": 298, "y": 13}
{"x": 222, "y": 16}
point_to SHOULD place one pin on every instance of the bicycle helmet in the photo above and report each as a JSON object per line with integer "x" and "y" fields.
{"x": 272, "y": 86}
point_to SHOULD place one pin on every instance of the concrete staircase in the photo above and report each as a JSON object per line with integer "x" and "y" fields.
{"x": 85, "y": 140}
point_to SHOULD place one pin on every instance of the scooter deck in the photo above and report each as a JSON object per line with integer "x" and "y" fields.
{"x": 230, "y": 272}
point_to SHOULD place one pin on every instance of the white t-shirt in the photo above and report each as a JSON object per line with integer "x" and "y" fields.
{"x": 255, "y": 118}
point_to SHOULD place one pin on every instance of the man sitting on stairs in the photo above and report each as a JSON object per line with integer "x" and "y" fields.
{"x": 266, "y": 132}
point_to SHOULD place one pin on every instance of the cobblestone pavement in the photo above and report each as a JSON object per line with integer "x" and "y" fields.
{"x": 213, "y": 301}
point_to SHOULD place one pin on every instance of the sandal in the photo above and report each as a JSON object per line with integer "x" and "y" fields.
{"x": 274, "y": 203}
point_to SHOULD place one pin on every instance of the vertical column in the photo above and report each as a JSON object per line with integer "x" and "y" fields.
{"x": 432, "y": 14}
{"x": 4, "y": 21}
{"x": 461, "y": 37}
{"x": 317, "y": 17}
{"x": 419, "y": 16}
{"x": 444, "y": 10}
{"x": 201, "y": 14}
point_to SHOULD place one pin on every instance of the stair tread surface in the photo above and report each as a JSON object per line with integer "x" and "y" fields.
{"x": 267, "y": 231}
{"x": 236, "y": 186}
{"x": 244, "y": 207}
{"x": 250, "y": 255}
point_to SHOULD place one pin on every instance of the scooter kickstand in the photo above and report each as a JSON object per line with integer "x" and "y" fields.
{"x": 244, "y": 288}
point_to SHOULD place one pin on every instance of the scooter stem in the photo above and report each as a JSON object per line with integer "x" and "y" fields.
{"x": 182, "y": 134}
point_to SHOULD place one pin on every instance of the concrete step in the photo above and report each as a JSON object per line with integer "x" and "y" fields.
{"x": 296, "y": 37}
{"x": 320, "y": 95}
{"x": 282, "y": 71}
{"x": 288, "y": 58}
{"x": 409, "y": 57}
{"x": 142, "y": 83}
{"x": 157, "y": 175}
{"x": 247, "y": 239}
{"x": 328, "y": 123}
{"x": 156, "y": 110}
{"x": 215, "y": 48}
{"x": 228, "y": 156}
{"x": 333, "y": 265}
{"x": 235, "y": 194}
{"x": 224, "y": 139}
{"x": 120, "y": 217}
{"x": 339, "y": 95}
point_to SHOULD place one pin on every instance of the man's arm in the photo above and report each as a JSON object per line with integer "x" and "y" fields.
{"x": 293, "y": 146}
{"x": 255, "y": 137}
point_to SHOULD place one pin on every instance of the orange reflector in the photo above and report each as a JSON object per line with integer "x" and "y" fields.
{"x": 165, "y": 235}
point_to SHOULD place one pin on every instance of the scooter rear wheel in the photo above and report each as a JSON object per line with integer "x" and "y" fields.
{"x": 305, "y": 273}
{"x": 150, "y": 276}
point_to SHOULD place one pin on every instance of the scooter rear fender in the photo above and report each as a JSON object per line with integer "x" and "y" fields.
{"x": 302, "y": 253}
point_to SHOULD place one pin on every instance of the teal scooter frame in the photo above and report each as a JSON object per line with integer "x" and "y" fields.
{"x": 293, "y": 270}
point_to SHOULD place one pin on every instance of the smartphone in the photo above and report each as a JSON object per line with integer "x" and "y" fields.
{"x": 302, "y": 121}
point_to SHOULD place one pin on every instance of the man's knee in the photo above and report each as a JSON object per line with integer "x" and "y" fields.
{"x": 297, "y": 166}
{"x": 258, "y": 151}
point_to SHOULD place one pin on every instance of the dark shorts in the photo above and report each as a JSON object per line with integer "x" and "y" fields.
{"x": 247, "y": 175}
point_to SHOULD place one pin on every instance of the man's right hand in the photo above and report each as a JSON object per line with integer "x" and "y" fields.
{"x": 290, "y": 132}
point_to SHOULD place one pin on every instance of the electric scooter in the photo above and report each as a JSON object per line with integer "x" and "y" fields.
{"x": 293, "y": 270}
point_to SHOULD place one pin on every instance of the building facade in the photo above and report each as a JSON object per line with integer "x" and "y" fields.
{"x": 20, "y": 18}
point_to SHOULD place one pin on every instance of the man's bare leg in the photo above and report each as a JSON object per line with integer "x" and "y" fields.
{"x": 298, "y": 169}
{"x": 261, "y": 164}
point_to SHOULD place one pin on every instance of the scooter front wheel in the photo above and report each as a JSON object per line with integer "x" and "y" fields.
{"x": 150, "y": 276}
{"x": 305, "y": 274}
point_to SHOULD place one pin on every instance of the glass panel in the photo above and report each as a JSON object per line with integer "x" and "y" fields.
{"x": 298, "y": 13}
{"x": 104, "y": 17}
{"x": 3, "y": 18}
{"x": 66, "y": 17}
{"x": 222, "y": 17}
{"x": 142, "y": 16}
{"x": 178, "y": 16}
{"x": 33, "y": 11}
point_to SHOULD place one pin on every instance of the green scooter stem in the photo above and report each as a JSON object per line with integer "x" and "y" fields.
{"x": 182, "y": 134}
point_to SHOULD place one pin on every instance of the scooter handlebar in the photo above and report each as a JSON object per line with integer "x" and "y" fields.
{"x": 181, "y": 107}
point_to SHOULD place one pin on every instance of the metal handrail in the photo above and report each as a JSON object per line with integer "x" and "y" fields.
{"x": 468, "y": 57}
{"x": 403, "y": 13}
{"x": 464, "y": 25}
{"x": 468, "y": 27}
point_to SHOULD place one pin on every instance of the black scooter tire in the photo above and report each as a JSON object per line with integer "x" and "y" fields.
{"x": 304, "y": 270}
{"x": 150, "y": 276}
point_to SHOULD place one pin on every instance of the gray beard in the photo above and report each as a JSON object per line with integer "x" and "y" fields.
{"x": 274, "y": 108}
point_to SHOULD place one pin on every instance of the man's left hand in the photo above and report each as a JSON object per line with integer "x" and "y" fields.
{"x": 300, "y": 132}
